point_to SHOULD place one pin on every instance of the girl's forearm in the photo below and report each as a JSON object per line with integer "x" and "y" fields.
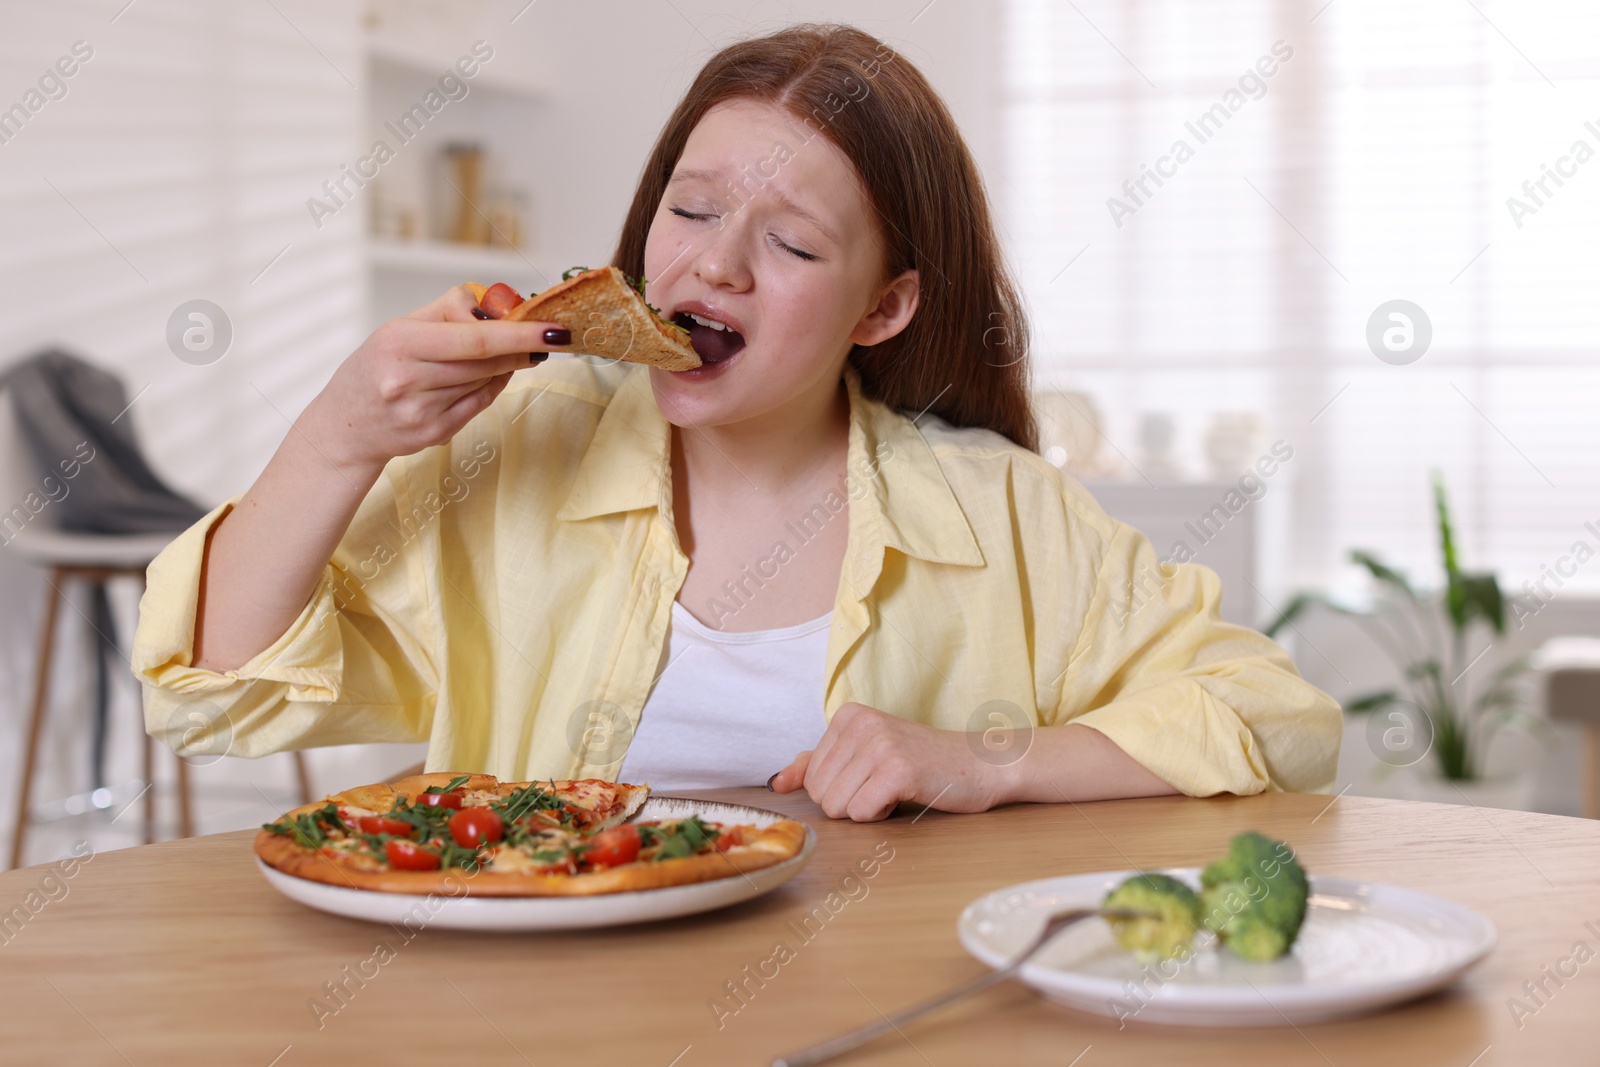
{"x": 411, "y": 385}
{"x": 263, "y": 560}
{"x": 1072, "y": 762}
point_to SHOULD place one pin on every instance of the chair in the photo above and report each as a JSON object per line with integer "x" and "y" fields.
{"x": 66, "y": 557}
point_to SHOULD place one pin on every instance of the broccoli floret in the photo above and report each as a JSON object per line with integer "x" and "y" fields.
{"x": 1171, "y": 929}
{"x": 1254, "y": 898}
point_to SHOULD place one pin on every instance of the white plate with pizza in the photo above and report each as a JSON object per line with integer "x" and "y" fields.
{"x": 1363, "y": 946}
{"x": 469, "y": 852}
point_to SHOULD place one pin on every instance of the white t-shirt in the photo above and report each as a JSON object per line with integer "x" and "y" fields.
{"x": 730, "y": 709}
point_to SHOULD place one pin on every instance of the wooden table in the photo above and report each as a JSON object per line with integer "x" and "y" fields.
{"x": 180, "y": 953}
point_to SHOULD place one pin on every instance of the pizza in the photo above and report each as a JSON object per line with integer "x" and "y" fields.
{"x": 608, "y": 314}
{"x": 433, "y": 832}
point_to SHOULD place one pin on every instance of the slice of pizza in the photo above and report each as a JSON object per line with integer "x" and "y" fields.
{"x": 607, "y": 314}
{"x": 437, "y": 832}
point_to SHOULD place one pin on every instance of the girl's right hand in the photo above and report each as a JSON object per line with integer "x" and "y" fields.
{"x": 418, "y": 379}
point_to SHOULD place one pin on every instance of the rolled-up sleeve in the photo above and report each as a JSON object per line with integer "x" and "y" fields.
{"x": 1208, "y": 706}
{"x": 349, "y": 669}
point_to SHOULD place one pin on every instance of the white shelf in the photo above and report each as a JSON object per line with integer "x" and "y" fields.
{"x": 446, "y": 259}
{"x": 429, "y": 65}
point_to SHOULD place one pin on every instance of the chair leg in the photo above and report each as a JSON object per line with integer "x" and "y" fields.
{"x": 103, "y": 640}
{"x": 149, "y": 789}
{"x": 148, "y": 746}
{"x": 185, "y": 808}
{"x": 302, "y": 778}
{"x": 41, "y": 697}
{"x": 1591, "y": 798}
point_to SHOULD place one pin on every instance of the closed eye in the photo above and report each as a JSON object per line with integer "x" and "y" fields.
{"x": 776, "y": 240}
{"x": 803, "y": 255}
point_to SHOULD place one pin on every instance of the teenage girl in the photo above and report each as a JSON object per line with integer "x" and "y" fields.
{"x": 831, "y": 559}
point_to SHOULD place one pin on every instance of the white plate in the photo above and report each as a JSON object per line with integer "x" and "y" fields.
{"x": 1363, "y": 946}
{"x": 466, "y": 912}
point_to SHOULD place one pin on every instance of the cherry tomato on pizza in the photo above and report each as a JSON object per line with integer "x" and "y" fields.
{"x": 472, "y": 827}
{"x": 382, "y": 824}
{"x": 410, "y": 856}
{"x": 499, "y": 300}
{"x": 613, "y": 847}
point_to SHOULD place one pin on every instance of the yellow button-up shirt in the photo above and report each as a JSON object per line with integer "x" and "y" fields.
{"x": 506, "y": 597}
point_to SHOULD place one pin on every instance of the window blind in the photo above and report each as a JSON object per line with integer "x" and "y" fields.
{"x": 1208, "y": 202}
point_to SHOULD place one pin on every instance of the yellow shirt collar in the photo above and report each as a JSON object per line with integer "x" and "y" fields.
{"x": 906, "y": 503}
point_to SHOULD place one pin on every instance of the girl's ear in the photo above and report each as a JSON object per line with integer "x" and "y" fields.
{"x": 896, "y": 304}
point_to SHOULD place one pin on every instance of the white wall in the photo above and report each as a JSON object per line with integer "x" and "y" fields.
{"x": 621, "y": 77}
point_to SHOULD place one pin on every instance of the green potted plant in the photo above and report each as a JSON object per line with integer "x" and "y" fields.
{"x": 1437, "y": 713}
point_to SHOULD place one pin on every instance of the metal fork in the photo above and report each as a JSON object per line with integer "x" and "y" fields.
{"x": 827, "y": 1050}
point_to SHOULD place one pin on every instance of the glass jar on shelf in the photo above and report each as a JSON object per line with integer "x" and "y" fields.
{"x": 508, "y": 217}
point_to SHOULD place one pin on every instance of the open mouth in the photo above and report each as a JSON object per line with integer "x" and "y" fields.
{"x": 713, "y": 341}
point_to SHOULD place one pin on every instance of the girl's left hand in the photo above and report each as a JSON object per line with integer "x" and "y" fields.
{"x": 868, "y": 761}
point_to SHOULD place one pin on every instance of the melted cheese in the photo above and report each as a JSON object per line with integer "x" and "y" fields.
{"x": 511, "y": 860}
{"x": 520, "y": 857}
{"x": 355, "y": 855}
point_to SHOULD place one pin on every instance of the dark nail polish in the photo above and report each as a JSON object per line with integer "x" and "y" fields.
{"x": 479, "y": 313}
{"x": 556, "y": 335}
{"x": 538, "y": 357}
{"x": 769, "y": 783}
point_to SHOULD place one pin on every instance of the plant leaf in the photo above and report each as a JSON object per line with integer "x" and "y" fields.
{"x": 1383, "y": 572}
{"x": 1508, "y": 684}
{"x": 1505, "y": 704}
{"x": 1293, "y": 611}
{"x": 1447, "y": 542}
{"x": 1455, "y": 599}
{"x": 1515, "y": 667}
{"x": 1371, "y": 702}
{"x": 1479, "y": 596}
{"x": 1423, "y": 668}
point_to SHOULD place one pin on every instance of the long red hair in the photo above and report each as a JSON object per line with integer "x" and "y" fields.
{"x": 964, "y": 355}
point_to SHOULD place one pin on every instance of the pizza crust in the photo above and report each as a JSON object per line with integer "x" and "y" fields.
{"x": 761, "y": 847}
{"x": 381, "y": 797}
